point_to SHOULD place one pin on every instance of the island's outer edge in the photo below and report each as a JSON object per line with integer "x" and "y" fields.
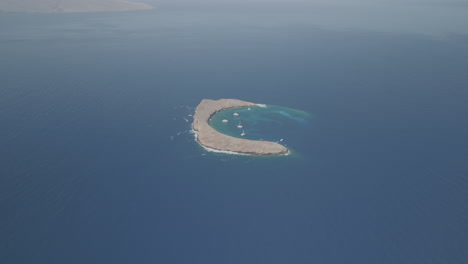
{"x": 208, "y": 137}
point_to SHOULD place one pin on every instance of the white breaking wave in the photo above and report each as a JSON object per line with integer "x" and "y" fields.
{"x": 262, "y": 105}
{"x": 216, "y": 150}
{"x": 223, "y": 151}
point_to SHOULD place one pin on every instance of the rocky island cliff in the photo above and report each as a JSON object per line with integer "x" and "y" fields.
{"x": 209, "y": 138}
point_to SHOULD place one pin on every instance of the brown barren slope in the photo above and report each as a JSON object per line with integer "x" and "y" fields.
{"x": 208, "y": 137}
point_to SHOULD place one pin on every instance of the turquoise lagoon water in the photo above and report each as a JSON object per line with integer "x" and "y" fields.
{"x": 266, "y": 122}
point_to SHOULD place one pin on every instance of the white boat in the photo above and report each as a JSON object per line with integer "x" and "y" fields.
{"x": 225, "y": 121}
{"x": 239, "y": 125}
{"x": 249, "y": 108}
{"x": 281, "y": 140}
{"x": 235, "y": 114}
{"x": 243, "y": 133}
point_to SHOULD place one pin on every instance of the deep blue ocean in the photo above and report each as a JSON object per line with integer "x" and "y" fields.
{"x": 97, "y": 163}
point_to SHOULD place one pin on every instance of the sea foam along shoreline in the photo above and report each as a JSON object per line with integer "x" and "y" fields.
{"x": 216, "y": 150}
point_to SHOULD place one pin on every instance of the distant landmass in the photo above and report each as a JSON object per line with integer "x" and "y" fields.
{"x": 70, "y": 6}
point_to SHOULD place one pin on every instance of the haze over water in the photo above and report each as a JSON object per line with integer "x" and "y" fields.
{"x": 98, "y": 165}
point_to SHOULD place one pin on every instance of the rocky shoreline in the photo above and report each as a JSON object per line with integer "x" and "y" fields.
{"x": 211, "y": 139}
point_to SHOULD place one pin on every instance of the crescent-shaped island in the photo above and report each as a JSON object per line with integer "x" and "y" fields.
{"x": 211, "y": 139}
